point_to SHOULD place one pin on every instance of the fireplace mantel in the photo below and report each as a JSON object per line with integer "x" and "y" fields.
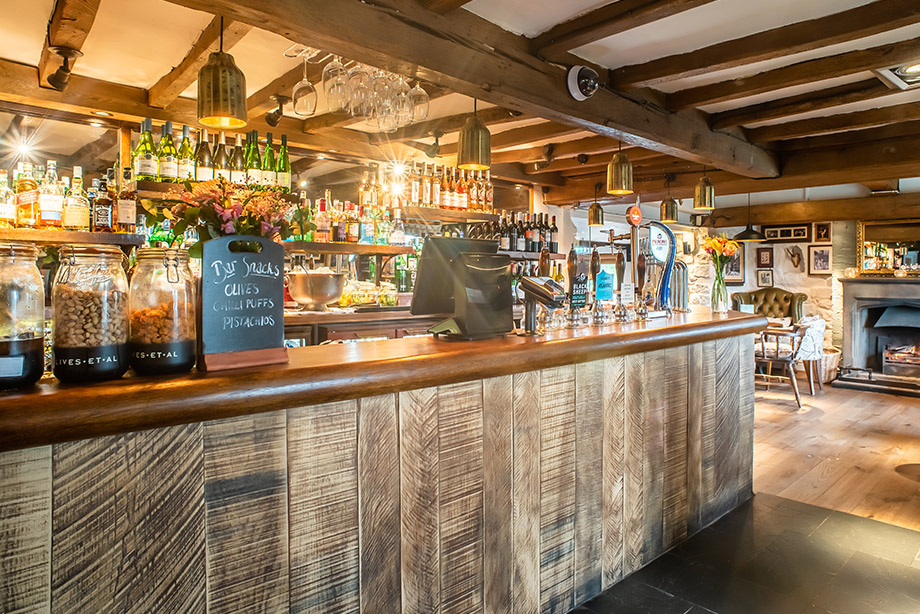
{"x": 860, "y": 293}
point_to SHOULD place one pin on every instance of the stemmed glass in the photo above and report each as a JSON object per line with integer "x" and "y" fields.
{"x": 335, "y": 86}
{"x": 418, "y": 103}
{"x": 359, "y": 81}
{"x": 304, "y": 95}
{"x": 401, "y": 102}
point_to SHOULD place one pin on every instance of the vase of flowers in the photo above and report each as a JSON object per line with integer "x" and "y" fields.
{"x": 720, "y": 250}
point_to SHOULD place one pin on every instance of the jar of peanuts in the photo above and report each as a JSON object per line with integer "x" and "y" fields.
{"x": 162, "y": 312}
{"x": 89, "y": 300}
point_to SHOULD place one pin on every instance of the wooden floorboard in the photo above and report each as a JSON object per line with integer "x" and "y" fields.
{"x": 840, "y": 451}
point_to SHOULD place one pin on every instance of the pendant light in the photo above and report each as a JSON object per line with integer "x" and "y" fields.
{"x": 596, "y": 212}
{"x": 474, "y": 148}
{"x": 221, "y": 90}
{"x": 704, "y": 197}
{"x": 749, "y": 235}
{"x": 620, "y": 173}
{"x": 668, "y": 206}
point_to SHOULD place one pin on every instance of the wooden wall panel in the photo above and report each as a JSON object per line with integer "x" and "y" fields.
{"x": 128, "y": 523}
{"x": 589, "y": 479}
{"x": 378, "y": 510}
{"x": 694, "y": 437}
{"x": 25, "y": 531}
{"x": 674, "y": 525}
{"x": 614, "y": 487}
{"x": 525, "y": 493}
{"x": 634, "y": 452}
{"x": 728, "y": 424}
{"x": 418, "y": 478}
{"x": 323, "y": 507}
{"x": 460, "y": 473}
{"x": 245, "y": 494}
{"x": 557, "y": 490}
{"x": 709, "y": 507}
{"x": 653, "y": 461}
{"x": 497, "y": 439}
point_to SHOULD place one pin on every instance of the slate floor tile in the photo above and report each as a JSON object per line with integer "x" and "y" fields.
{"x": 634, "y": 597}
{"x": 869, "y": 584}
{"x": 870, "y": 537}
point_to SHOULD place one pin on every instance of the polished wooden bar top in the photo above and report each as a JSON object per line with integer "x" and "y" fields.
{"x": 53, "y": 413}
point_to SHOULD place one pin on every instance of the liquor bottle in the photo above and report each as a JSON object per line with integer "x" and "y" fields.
{"x": 322, "y": 234}
{"x": 382, "y": 227}
{"x": 397, "y": 230}
{"x": 472, "y": 188}
{"x": 92, "y": 192}
{"x": 238, "y": 163}
{"x": 462, "y": 195}
{"x": 254, "y": 162}
{"x": 269, "y": 172}
{"x": 102, "y": 210}
{"x": 368, "y": 223}
{"x": 489, "y": 191}
{"x": 339, "y": 226}
{"x": 352, "y": 224}
{"x": 307, "y": 208}
{"x": 167, "y": 156}
{"x": 7, "y": 202}
{"x": 50, "y": 198}
{"x": 204, "y": 165}
{"x": 521, "y": 234}
{"x": 435, "y": 181}
{"x": 126, "y": 207}
{"x": 364, "y": 192}
{"x": 283, "y": 167}
{"x": 26, "y": 197}
{"x": 145, "y": 154}
{"x": 553, "y": 237}
{"x": 221, "y": 159}
{"x": 415, "y": 186}
{"x": 426, "y": 186}
{"x": 186, "y": 157}
{"x": 76, "y": 205}
{"x": 445, "y": 188}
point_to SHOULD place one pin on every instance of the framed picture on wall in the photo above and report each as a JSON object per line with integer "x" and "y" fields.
{"x": 793, "y": 233}
{"x": 765, "y": 257}
{"x": 734, "y": 270}
{"x": 819, "y": 259}
{"x": 764, "y": 278}
{"x": 822, "y": 232}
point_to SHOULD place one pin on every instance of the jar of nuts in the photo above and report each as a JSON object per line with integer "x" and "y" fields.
{"x": 22, "y": 316}
{"x": 89, "y": 300}
{"x": 162, "y": 307}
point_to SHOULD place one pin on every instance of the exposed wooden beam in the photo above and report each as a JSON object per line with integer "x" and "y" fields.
{"x": 173, "y": 83}
{"x": 587, "y": 145}
{"x": 521, "y": 136}
{"x": 443, "y": 6}
{"x": 89, "y": 153}
{"x": 836, "y": 123}
{"x": 887, "y": 207}
{"x": 261, "y": 102}
{"x": 69, "y": 25}
{"x": 843, "y": 139}
{"x": 605, "y": 21}
{"x": 885, "y": 185}
{"x": 659, "y": 165}
{"x": 592, "y": 162}
{"x": 860, "y": 91}
{"x": 809, "y": 71}
{"x": 872, "y": 18}
{"x": 452, "y": 123}
{"x": 514, "y": 172}
{"x": 474, "y": 57}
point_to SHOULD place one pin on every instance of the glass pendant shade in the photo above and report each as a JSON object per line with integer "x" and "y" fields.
{"x": 596, "y": 215}
{"x": 704, "y": 197}
{"x": 474, "y": 150}
{"x": 221, "y": 93}
{"x": 620, "y": 175}
{"x": 668, "y": 210}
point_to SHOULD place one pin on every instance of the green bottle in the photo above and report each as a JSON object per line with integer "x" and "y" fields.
{"x": 283, "y": 167}
{"x": 186, "y": 157}
{"x": 253, "y": 162}
{"x": 204, "y": 167}
{"x": 145, "y": 155}
{"x": 238, "y": 163}
{"x": 167, "y": 156}
{"x": 269, "y": 173}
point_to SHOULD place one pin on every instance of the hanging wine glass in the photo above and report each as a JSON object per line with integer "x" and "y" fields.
{"x": 361, "y": 96}
{"x": 304, "y": 95}
{"x": 402, "y": 104}
{"x": 418, "y": 103}
{"x": 335, "y": 86}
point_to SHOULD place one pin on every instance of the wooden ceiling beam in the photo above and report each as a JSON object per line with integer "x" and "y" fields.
{"x": 474, "y": 57}
{"x": 872, "y": 18}
{"x": 843, "y": 122}
{"x": 176, "y": 81}
{"x": 585, "y": 161}
{"x": 261, "y": 102}
{"x": 89, "y": 153}
{"x": 605, "y": 21}
{"x": 442, "y": 7}
{"x": 869, "y": 89}
{"x": 69, "y": 25}
{"x": 588, "y": 145}
{"x": 809, "y": 71}
{"x": 521, "y": 136}
{"x": 883, "y": 207}
{"x": 843, "y": 139}
{"x": 515, "y": 172}
{"x": 452, "y": 123}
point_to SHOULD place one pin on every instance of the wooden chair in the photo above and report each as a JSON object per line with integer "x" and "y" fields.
{"x": 780, "y": 347}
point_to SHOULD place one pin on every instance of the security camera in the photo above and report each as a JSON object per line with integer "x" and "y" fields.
{"x": 583, "y": 81}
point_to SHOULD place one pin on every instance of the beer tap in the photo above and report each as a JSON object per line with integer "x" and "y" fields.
{"x": 641, "y": 307}
{"x": 573, "y": 316}
{"x": 597, "y": 314}
{"x": 619, "y": 262}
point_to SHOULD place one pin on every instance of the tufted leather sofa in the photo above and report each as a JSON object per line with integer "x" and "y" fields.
{"x": 772, "y": 302}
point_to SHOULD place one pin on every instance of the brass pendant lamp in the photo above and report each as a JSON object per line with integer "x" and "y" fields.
{"x": 704, "y": 197}
{"x": 749, "y": 235}
{"x": 596, "y": 212}
{"x": 668, "y": 206}
{"x": 620, "y": 173}
{"x": 474, "y": 148}
{"x": 221, "y": 91}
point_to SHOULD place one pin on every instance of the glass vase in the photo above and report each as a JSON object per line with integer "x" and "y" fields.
{"x": 720, "y": 303}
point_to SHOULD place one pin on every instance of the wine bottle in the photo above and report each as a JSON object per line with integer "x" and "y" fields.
{"x": 521, "y": 234}
{"x": 415, "y": 186}
{"x": 253, "y": 162}
{"x": 221, "y": 159}
{"x": 126, "y": 207}
{"x": 186, "y": 157}
{"x": 269, "y": 172}
{"x": 145, "y": 155}
{"x": 167, "y": 156}
{"x": 238, "y": 163}
{"x": 553, "y": 237}
{"x": 283, "y": 166}
{"x": 204, "y": 167}
{"x": 50, "y": 198}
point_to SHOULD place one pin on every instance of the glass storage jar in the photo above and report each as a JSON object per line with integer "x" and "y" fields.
{"x": 90, "y": 304}
{"x": 22, "y": 316}
{"x": 162, "y": 307}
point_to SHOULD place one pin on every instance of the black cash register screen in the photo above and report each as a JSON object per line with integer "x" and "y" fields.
{"x": 434, "y": 281}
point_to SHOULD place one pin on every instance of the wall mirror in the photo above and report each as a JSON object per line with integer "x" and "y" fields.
{"x": 888, "y": 246}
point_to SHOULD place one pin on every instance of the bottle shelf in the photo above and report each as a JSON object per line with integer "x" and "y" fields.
{"x": 156, "y": 190}
{"x": 348, "y": 248}
{"x": 437, "y": 214}
{"x": 65, "y": 237}
{"x": 515, "y": 255}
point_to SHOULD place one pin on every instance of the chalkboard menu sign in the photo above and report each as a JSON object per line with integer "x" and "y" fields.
{"x": 579, "y": 296}
{"x": 242, "y": 302}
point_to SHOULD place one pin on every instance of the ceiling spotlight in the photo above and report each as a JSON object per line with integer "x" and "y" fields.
{"x": 273, "y": 117}
{"x": 540, "y": 165}
{"x": 303, "y": 183}
{"x": 24, "y": 149}
{"x": 321, "y": 157}
{"x": 102, "y": 113}
{"x": 434, "y": 149}
{"x": 59, "y": 78}
{"x": 96, "y": 124}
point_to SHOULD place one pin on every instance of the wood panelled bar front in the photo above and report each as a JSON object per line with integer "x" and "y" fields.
{"x": 404, "y": 476}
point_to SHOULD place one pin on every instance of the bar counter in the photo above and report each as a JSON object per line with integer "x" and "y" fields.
{"x": 409, "y": 475}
